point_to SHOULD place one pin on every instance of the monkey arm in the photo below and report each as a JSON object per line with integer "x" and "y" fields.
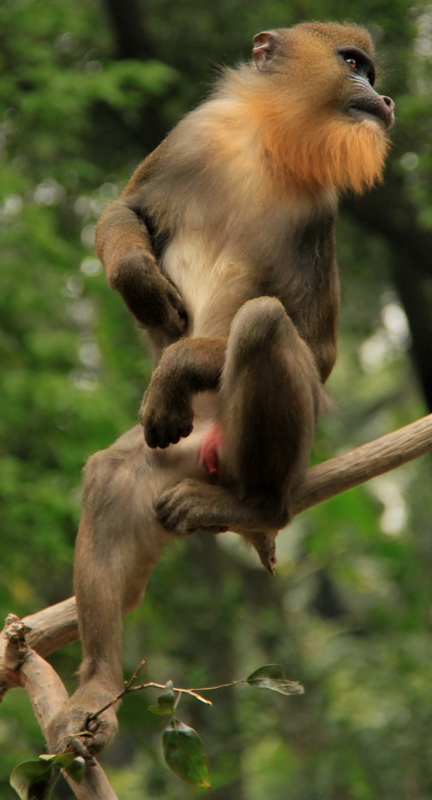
{"x": 124, "y": 245}
{"x": 320, "y": 334}
{"x": 186, "y": 368}
{"x": 311, "y": 293}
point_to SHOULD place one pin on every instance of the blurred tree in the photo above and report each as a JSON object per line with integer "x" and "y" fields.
{"x": 85, "y": 93}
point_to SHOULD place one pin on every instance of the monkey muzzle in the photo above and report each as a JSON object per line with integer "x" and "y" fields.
{"x": 372, "y": 106}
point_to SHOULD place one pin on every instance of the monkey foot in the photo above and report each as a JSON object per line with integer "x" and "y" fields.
{"x": 187, "y": 508}
{"x": 76, "y": 729}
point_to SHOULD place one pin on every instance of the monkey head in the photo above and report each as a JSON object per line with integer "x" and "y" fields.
{"x": 324, "y": 123}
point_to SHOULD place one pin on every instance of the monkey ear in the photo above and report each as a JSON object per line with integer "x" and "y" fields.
{"x": 264, "y": 47}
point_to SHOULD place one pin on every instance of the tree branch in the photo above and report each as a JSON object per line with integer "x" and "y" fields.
{"x": 47, "y": 695}
{"x": 57, "y": 625}
{"x": 368, "y": 461}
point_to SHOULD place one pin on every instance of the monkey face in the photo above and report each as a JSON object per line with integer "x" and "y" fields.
{"x": 327, "y": 65}
{"x": 328, "y": 124}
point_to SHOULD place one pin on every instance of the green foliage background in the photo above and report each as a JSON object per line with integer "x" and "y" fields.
{"x": 86, "y": 90}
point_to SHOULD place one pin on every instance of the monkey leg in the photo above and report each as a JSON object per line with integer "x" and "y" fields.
{"x": 269, "y": 402}
{"x": 270, "y": 392}
{"x": 118, "y": 543}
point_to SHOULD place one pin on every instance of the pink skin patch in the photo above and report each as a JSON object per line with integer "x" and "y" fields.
{"x": 208, "y": 452}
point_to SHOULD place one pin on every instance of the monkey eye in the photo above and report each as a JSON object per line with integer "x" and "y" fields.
{"x": 358, "y": 62}
{"x": 351, "y": 62}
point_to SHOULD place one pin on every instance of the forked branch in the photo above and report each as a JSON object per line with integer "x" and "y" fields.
{"x": 47, "y": 695}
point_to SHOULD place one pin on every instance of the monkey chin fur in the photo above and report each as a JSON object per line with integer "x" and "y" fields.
{"x": 338, "y": 152}
{"x": 342, "y": 154}
{"x": 312, "y": 149}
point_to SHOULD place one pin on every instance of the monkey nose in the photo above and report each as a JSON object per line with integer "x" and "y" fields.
{"x": 389, "y": 103}
{"x": 389, "y": 110}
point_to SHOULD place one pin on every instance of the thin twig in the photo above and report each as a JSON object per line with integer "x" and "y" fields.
{"x": 151, "y": 685}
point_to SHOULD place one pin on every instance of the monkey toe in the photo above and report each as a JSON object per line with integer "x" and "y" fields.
{"x": 78, "y": 745}
{"x": 85, "y": 742}
{"x": 172, "y": 513}
{"x": 183, "y": 510}
{"x": 170, "y": 519}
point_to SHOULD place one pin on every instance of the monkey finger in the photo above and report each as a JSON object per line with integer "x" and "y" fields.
{"x": 268, "y": 559}
{"x": 175, "y": 323}
{"x": 155, "y": 437}
{"x": 176, "y": 314}
{"x": 182, "y": 431}
{"x": 176, "y": 300}
{"x": 161, "y": 435}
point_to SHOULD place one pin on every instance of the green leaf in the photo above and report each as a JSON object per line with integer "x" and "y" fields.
{"x": 33, "y": 780}
{"x": 165, "y": 704}
{"x": 72, "y": 764}
{"x": 76, "y": 769}
{"x": 185, "y": 754}
{"x": 273, "y": 677}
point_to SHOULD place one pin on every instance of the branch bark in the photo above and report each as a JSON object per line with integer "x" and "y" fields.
{"x": 338, "y": 474}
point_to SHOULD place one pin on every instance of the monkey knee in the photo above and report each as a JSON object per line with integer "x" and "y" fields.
{"x": 96, "y": 472}
{"x": 263, "y": 311}
{"x": 101, "y": 489}
{"x": 258, "y": 324}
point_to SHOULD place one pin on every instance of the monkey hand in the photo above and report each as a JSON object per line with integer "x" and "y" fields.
{"x": 166, "y": 416}
{"x": 152, "y": 299}
{"x": 79, "y": 728}
{"x": 187, "y": 508}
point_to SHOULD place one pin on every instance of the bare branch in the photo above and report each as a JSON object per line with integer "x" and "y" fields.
{"x": 53, "y": 627}
{"x": 368, "y": 461}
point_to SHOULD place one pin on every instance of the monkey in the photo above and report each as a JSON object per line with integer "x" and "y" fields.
{"x": 222, "y": 246}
